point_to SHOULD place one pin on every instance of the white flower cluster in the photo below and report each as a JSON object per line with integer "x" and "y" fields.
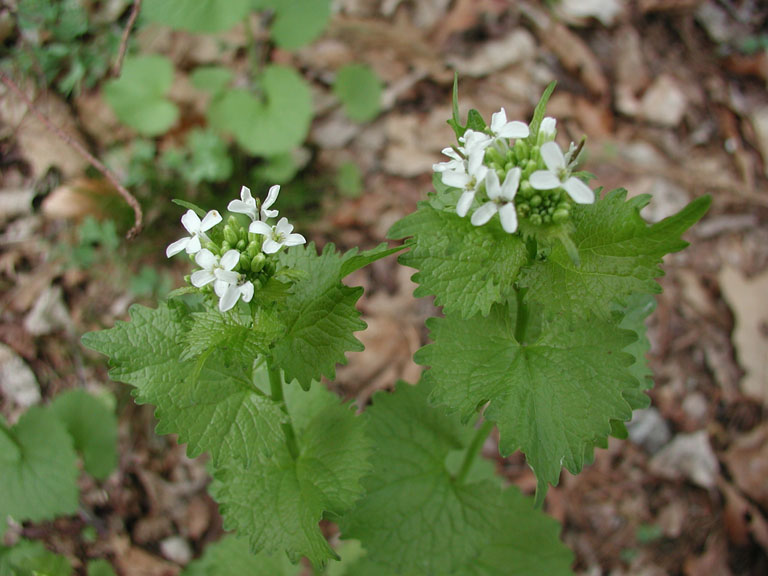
{"x": 233, "y": 265}
{"x": 513, "y": 179}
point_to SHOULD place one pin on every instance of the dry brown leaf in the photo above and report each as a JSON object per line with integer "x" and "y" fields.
{"x": 747, "y": 459}
{"x": 747, "y": 299}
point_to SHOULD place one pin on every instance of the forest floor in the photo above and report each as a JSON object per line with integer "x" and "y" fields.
{"x": 673, "y": 99}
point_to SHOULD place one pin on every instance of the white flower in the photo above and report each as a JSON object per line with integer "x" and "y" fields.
{"x": 501, "y": 197}
{"x": 474, "y": 147}
{"x": 455, "y": 164}
{"x": 197, "y": 229}
{"x": 276, "y": 236}
{"x": 215, "y": 268}
{"x": 468, "y": 183}
{"x": 503, "y": 129}
{"x": 230, "y": 293}
{"x": 547, "y": 129}
{"x": 558, "y": 174}
{"x": 247, "y": 204}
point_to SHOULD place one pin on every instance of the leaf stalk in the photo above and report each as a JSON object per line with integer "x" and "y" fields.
{"x": 474, "y": 449}
{"x": 276, "y": 389}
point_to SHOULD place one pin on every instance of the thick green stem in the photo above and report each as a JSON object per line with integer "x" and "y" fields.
{"x": 523, "y": 313}
{"x": 276, "y": 389}
{"x": 474, "y": 449}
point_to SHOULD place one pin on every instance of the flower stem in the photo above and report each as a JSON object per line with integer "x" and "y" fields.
{"x": 523, "y": 313}
{"x": 474, "y": 449}
{"x": 276, "y": 388}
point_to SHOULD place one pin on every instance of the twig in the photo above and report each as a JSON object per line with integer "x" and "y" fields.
{"x": 106, "y": 172}
{"x": 124, "y": 40}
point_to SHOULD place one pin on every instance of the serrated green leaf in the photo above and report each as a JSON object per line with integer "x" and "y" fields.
{"x": 417, "y": 519}
{"x": 29, "y": 558}
{"x": 138, "y": 96}
{"x": 196, "y": 15}
{"x": 279, "y": 503}
{"x": 550, "y": 397}
{"x": 467, "y": 268}
{"x": 212, "y": 329}
{"x": 232, "y": 556}
{"x": 210, "y": 400}
{"x": 620, "y": 255}
{"x": 276, "y": 124}
{"x": 352, "y": 261}
{"x": 38, "y": 466}
{"x": 359, "y": 90}
{"x": 93, "y": 427}
{"x": 319, "y": 315}
{"x": 639, "y": 307}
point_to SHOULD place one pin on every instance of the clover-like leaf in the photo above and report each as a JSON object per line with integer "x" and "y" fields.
{"x": 359, "y": 90}
{"x": 196, "y": 15}
{"x": 38, "y": 467}
{"x": 93, "y": 427}
{"x": 297, "y": 22}
{"x": 553, "y": 397}
{"x": 138, "y": 97}
{"x": 275, "y": 123}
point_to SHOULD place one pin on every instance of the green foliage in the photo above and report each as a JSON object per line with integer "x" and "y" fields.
{"x": 551, "y": 395}
{"x": 272, "y": 121}
{"x": 359, "y": 90}
{"x": 149, "y": 282}
{"x": 32, "y": 559}
{"x": 467, "y": 268}
{"x": 93, "y": 427}
{"x": 418, "y": 518}
{"x": 100, "y": 567}
{"x": 96, "y": 241}
{"x": 209, "y": 159}
{"x": 277, "y": 169}
{"x": 232, "y": 556}
{"x": 196, "y": 15}
{"x": 38, "y": 466}
{"x": 349, "y": 180}
{"x": 620, "y": 255}
{"x": 212, "y": 79}
{"x": 138, "y": 96}
{"x": 296, "y": 22}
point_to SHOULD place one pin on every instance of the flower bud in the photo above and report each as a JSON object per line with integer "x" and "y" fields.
{"x": 225, "y": 247}
{"x": 561, "y": 215}
{"x": 240, "y": 244}
{"x": 230, "y": 235}
{"x": 258, "y": 261}
{"x": 245, "y": 262}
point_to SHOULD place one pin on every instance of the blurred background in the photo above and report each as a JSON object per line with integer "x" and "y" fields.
{"x": 344, "y": 103}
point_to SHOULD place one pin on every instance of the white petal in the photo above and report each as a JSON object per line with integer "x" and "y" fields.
{"x": 452, "y": 154}
{"x": 210, "y": 220}
{"x": 219, "y": 286}
{"x": 176, "y": 247}
{"x": 240, "y": 207}
{"x": 245, "y": 194}
{"x": 480, "y": 173}
{"x": 552, "y": 156}
{"x": 294, "y": 240}
{"x": 455, "y": 179}
{"x": 544, "y": 180}
{"x": 508, "y": 216}
{"x": 246, "y": 292}
{"x": 492, "y": 186}
{"x": 462, "y": 207}
{"x": 484, "y": 213}
{"x": 191, "y": 222}
{"x": 498, "y": 120}
{"x": 271, "y": 196}
{"x": 514, "y": 130}
{"x": 200, "y": 278}
{"x": 226, "y": 276}
{"x": 229, "y": 259}
{"x": 206, "y": 259}
{"x": 548, "y": 127}
{"x": 229, "y": 299}
{"x": 193, "y": 246}
{"x": 283, "y": 227}
{"x": 580, "y": 192}
{"x": 511, "y": 183}
{"x": 270, "y": 246}
{"x": 258, "y": 227}
{"x": 475, "y": 161}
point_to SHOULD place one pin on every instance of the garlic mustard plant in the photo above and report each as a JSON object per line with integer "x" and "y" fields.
{"x": 545, "y": 283}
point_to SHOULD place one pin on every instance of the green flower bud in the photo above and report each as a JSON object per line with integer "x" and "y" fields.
{"x": 253, "y": 248}
{"x": 535, "y": 219}
{"x": 525, "y": 190}
{"x": 225, "y": 247}
{"x": 536, "y": 200}
{"x": 245, "y": 262}
{"x": 258, "y": 261}
{"x": 240, "y": 244}
{"x": 252, "y": 237}
{"x": 560, "y": 216}
{"x": 521, "y": 152}
{"x": 230, "y": 235}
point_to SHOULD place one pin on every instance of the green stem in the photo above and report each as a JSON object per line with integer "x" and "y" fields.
{"x": 474, "y": 449}
{"x": 523, "y": 313}
{"x": 276, "y": 388}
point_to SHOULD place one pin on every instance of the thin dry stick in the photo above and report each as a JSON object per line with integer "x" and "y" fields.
{"x": 106, "y": 172}
{"x": 126, "y": 35}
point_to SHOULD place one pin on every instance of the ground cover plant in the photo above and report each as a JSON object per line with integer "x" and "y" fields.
{"x": 544, "y": 284}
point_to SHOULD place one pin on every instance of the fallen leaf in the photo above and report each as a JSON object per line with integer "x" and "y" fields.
{"x": 17, "y": 381}
{"x": 747, "y": 459}
{"x": 688, "y": 456}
